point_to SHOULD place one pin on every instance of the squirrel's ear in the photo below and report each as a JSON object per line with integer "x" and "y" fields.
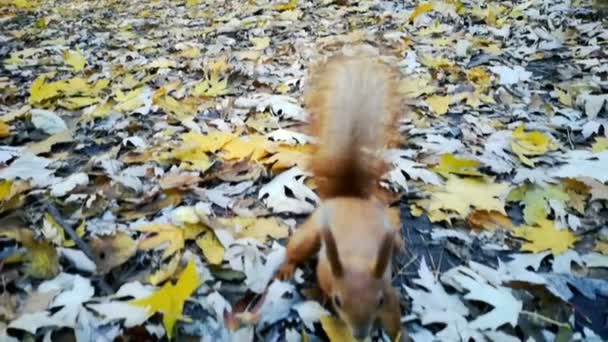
{"x": 384, "y": 254}
{"x": 330, "y": 245}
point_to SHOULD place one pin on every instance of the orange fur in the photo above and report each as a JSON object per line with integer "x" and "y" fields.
{"x": 354, "y": 106}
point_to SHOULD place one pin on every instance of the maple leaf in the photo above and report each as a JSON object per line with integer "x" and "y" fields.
{"x": 462, "y": 194}
{"x": 506, "y": 307}
{"x": 536, "y": 201}
{"x": 170, "y": 299}
{"x": 252, "y": 146}
{"x": 439, "y": 104}
{"x": 529, "y": 144}
{"x": 75, "y": 59}
{"x": 163, "y": 235}
{"x": 458, "y": 166}
{"x": 212, "y": 86}
{"x": 545, "y": 237}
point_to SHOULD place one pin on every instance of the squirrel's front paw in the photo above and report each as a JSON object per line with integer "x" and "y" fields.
{"x": 286, "y": 271}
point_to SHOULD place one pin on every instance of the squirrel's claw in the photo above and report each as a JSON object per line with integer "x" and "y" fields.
{"x": 286, "y": 271}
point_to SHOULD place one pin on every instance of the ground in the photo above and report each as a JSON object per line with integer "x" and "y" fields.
{"x": 154, "y": 165}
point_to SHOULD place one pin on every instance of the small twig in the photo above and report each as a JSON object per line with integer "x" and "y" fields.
{"x": 83, "y": 246}
{"x": 545, "y": 319}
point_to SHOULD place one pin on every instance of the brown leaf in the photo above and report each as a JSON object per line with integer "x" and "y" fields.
{"x": 489, "y": 220}
{"x": 112, "y": 251}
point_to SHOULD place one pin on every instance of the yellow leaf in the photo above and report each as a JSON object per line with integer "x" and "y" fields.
{"x": 253, "y": 146}
{"x": 43, "y": 260}
{"x": 170, "y": 299}
{"x": 479, "y": 77}
{"x": 42, "y": 257}
{"x": 163, "y": 236}
{"x": 212, "y": 86}
{"x": 193, "y": 152}
{"x": 24, "y": 4}
{"x": 286, "y": 156}
{"x": 336, "y": 329}
{"x": 545, "y": 237}
{"x": 75, "y": 59}
{"x": 41, "y": 91}
{"x": 414, "y": 87}
{"x": 600, "y": 144}
{"x": 211, "y": 247}
{"x": 461, "y": 194}
{"x": 291, "y": 5}
{"x": 529, "y": 144}
{"x": 260, "y": 43}
{"x": 420, "y": 9}
{"x": 257, "y": 228}
{"x": 5, "y": 189}
{"x": 191, "y": 53}
{"x": 181, "y": 109}
{"x": 430, "y": 61}
{"x": 452, "y": 164}
{"x": 77, "y": 102}
{"x": 439, "y": 104}
{"x": 5, "y": 130}
{"x": 489, "y": 220}
{"x": 601, "y": 247}
{"x": 536, "y": 202}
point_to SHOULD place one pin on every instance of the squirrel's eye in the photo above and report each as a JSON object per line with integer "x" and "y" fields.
{"x": 337, "y": 301}
{"x": 381, "y": 300}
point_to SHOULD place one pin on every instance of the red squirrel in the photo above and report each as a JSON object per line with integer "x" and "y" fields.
{"x": 354, "y": 108}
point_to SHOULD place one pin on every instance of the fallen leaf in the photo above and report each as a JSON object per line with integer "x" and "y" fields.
{"x": 462, "y": 194}
{"x": 506, "y": 308}
{"x": 489, "y": 220}
{"x": 254, "y": 147}
{"x": 5, "y": 130}
{"x": 288, "y": 6}
{"x": 458, "y": 166}
{"x": 170, "y": 299}
{"x": 48, "y": 121}
{"x": 419, "y": 10}
{"x": 260, "y": 43}
{"x": 439, "y": 104}
{"x": 529, "y": 144}
{"x": 602, "y": 247}
{"x": 600, "y": 144}
{"x": 212, "y": 86}
{"x": 258, "y": 228}
{"x": 211, "y": 247}
{"x": 336, "y": 329}
{"x": 164, "y": 236}
{"x": 545, "y": 237}
{"x": 299, "y": 198}
{"x": 510, "y": 76}
{"x": 112, "y": 251}
{"x": 584, "y": 164}
{"x": 75, "y": 59}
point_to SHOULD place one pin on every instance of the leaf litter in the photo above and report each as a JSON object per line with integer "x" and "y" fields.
{"x": 154, "y": 163}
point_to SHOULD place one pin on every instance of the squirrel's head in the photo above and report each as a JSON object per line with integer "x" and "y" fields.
{"x": 358, "y": 293}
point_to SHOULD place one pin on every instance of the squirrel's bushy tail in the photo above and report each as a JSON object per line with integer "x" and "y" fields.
{"x": 354, "y": 107}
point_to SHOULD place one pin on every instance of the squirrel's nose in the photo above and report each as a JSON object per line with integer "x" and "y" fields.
{"x": 361, "y": 333}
